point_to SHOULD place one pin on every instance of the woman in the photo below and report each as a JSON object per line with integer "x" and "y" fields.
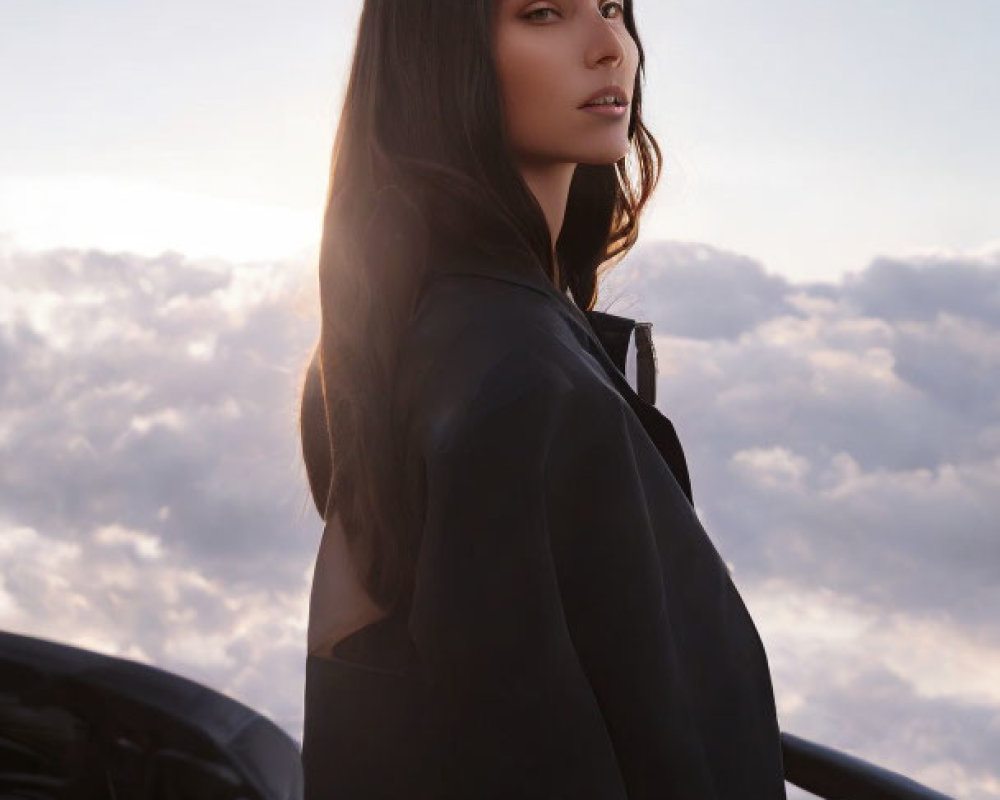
{"x": 514, "y": 597}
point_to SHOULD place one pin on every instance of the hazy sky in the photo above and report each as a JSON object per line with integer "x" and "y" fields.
{"x": 809, "y": 135}
{"x": 821, "y": 267}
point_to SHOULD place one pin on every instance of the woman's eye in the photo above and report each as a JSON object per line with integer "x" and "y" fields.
{"x": 531, "y": 14}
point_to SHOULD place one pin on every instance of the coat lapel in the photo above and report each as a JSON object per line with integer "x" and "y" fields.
{"x": 607, "y": 337}
{"x": 658, "y": 426}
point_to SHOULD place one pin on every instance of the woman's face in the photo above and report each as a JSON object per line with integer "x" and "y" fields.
{"x": 551, "y": 56}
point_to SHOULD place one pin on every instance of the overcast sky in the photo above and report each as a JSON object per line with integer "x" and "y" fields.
{"x": 821, "y": 267}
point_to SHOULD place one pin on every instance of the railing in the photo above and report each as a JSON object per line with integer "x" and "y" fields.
{"x": 833, "y": 775}
{"x": 81, "y": 725}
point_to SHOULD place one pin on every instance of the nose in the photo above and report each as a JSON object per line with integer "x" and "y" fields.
{"x": 605, "y": 40}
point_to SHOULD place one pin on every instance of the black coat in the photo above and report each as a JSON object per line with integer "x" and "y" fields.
{"x": 573, "y": 633}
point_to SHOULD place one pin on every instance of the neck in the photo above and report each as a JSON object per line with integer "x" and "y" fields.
{"x": 550, "y": 182}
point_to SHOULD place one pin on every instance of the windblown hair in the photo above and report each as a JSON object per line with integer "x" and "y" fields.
{"x": 421, "y": 158}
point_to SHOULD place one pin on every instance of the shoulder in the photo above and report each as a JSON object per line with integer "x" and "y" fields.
{"x": 486, "y": 354}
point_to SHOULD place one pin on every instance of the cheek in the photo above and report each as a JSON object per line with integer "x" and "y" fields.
{"x": 633, "y": 54}
{"x": 524, "y": 71}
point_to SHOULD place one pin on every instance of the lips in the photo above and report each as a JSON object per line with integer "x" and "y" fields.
{"x": 613, "y": 90}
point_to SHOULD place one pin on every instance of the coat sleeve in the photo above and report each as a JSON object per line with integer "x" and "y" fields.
{"x": 538, "y": 612}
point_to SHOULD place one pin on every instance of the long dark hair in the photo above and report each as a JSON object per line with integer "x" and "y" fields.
{"x": 421, "y": 157}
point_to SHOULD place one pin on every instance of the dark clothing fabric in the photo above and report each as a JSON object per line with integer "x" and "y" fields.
{"x": 573, "y": 633}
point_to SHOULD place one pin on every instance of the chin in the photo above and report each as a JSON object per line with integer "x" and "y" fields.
{"x": 598, "y": 158}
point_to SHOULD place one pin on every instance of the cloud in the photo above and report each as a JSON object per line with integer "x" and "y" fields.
{"x": 153, "y": 502}
{"x": 139, "y": 385}
{"x": 843, "y": 439}
{"x": 911, "y": 694}
{"x": 699, "y": 292}
{"x": 821, "y": 435}
{"x": 897, "y": 291}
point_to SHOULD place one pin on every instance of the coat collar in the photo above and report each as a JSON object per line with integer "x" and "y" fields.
{"x": 607, "y": 337}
